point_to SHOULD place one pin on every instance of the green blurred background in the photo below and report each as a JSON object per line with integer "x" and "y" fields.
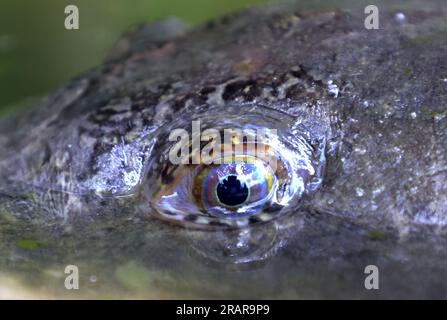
{"x": 38, "y": 54}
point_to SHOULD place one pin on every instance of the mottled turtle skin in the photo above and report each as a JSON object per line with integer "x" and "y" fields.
{"x": 71, "y": 168}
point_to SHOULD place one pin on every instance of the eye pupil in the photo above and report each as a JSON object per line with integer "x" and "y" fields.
{"x": 231, "y": 191}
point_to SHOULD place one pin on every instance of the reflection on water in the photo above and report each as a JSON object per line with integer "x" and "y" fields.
{"x": 238, "y": 246}
{"x": 301, "y": 255}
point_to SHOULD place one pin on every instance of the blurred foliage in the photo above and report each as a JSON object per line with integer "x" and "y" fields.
{"x": 37, "y": 53}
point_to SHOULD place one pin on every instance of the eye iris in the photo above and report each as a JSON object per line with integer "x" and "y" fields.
{"x": 231, "y": 191}
{"x": 234, "y": 190}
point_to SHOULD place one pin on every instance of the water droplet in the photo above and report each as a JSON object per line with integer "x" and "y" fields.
{"x": 360, "y": 192}
{"x": 360, "y": 150}
{"x": 378, "y": 191}
{"x": 333, "y": 89}
{"x": 400, "y": 17}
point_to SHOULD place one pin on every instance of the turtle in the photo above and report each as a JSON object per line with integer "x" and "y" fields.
{"x": 361, "y": 117}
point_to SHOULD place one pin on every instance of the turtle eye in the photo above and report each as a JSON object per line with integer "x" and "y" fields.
{"x": 251, "y": 175}
{"x": 230, "y": 189}
{"x": 234, "y": 189}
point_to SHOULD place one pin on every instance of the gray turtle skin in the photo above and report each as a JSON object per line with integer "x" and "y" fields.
{"x": 72, "y": 169}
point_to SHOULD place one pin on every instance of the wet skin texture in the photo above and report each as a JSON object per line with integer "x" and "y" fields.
{"x": 73, "y": 168}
